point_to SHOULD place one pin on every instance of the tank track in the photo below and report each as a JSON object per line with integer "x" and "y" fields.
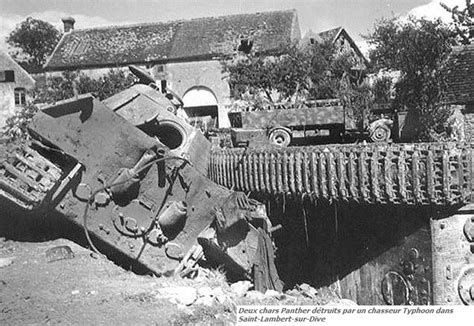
{"x": 413, "y": 174}
{"x": 26, "y": 177}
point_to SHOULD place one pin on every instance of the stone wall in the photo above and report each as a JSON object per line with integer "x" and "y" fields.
{"x": 186, "y": 75}
{"x": 7, "y": 102}
{"x": 183, "y": 76}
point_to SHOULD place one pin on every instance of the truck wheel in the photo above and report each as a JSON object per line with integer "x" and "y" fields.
{"x": 380, "y": 133}
{"x": 280, "y": 137}
{"x": 380, "y": 130}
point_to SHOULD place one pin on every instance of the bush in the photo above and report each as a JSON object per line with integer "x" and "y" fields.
{"x": 416, "y": 48}
{"x": 63, "y": 87}
{"x": 15, "y": 128}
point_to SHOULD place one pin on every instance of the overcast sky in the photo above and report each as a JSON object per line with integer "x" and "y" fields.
{"x": 357, "y": 16}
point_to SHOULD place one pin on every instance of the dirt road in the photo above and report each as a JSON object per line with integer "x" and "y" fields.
{"x": 83, "y": 291}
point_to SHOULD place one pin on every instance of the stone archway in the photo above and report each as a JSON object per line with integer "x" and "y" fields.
{"x": 201, "y": 107}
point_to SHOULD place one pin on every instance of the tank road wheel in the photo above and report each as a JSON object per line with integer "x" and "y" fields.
{"x": 280, "y": 137}
{"x": 379, "y": 131}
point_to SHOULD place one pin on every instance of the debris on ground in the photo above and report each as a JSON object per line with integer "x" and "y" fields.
{"x": 307, "y": 290}
{"x": 84, "y": 290}
{"x": 59, "y": 253}
{"x": 241, "y": 287}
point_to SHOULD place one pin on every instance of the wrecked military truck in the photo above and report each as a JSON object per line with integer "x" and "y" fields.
{"x": 132, "y": 174}
{"x": 309, "y": 123}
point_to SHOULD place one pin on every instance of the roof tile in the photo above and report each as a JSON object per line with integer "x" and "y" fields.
{"x": 460, "y": 75}
{"x": 176, "y": 40}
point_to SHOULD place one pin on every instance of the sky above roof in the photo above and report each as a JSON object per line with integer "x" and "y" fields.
{"x": 356, "y": 16}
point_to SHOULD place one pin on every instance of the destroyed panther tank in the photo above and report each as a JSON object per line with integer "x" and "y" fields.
{"x": 133, "y": 175}
{"x": 143, "y": 182}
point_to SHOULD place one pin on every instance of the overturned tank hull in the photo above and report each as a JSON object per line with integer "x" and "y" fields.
{"x": 142, "y": 182}
{"x": 400, "y": 215}
{"x": 130, "y": 192}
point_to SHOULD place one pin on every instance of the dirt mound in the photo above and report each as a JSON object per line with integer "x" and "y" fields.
{"x": 60, "y": 282}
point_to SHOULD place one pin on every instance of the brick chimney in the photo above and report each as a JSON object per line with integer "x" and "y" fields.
{"x": 68, "y": 24}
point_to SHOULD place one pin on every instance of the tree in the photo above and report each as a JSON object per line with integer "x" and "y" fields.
{"x": 255, "y": 74}
{"x": 63, "y": 87}
{"x": 298, "y": 74}
{"x": 312, "y": 72}
{"x": 34, "y": 40}
{"x": 416, "y": 48}
{"x": 382, "y": 89}
{"x": 463, "y": 21}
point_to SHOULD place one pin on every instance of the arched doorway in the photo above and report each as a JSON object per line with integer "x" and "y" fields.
{"x": 200, "y": 105}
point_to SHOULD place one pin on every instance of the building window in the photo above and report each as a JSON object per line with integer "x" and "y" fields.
{"x": 312, "y": 41}
{"x": 245, "y": 46}
{"x": 7, "y": 76}
{"x": 20, "y": 96}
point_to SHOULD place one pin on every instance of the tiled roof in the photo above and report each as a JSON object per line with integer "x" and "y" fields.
{"x": 459, "y": 75}
{"x": 22, "y": 78}
{"x": 330, "y": 34}
{"x": 172, "y": 41}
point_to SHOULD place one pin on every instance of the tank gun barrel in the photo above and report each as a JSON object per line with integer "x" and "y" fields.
{"x": 142, "y": 75}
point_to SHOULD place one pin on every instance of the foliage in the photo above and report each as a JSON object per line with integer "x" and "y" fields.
{"x": 63, "y": 87}
{"x": 463, "y": 21}
{"x": 16, "y": 126}
{"x": 258, "y": 74}
{"x": 417, "y": 49}
{"x": 358, "y": 98}
{"x": 34, "y": 41}
{"x": 310, "y": 72}
{"x": 382, "y": 90}
{"x": 295, "y": 75}
{"x": 71, "y": 82}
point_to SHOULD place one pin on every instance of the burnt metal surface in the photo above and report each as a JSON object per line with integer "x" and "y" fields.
{"x": 384, "y": 253}
{"x": 121, "y": 196}
{"x": 410, "y": 281}
{"x": 453, "y": 258}
{"x": 413, "y": 174}
{"x": 162, "y": 211}
{"x": 156, "y": 115}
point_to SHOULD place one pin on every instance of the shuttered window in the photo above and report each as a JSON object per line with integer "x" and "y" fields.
{"x": 7, "y": 76}
{"x": 20, "y": 96}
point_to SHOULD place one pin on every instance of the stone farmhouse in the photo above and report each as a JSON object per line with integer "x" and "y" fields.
{"x": 183, "y": 55}
{"x": 14, "y": 82}
{"x": 342, "y": 41}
